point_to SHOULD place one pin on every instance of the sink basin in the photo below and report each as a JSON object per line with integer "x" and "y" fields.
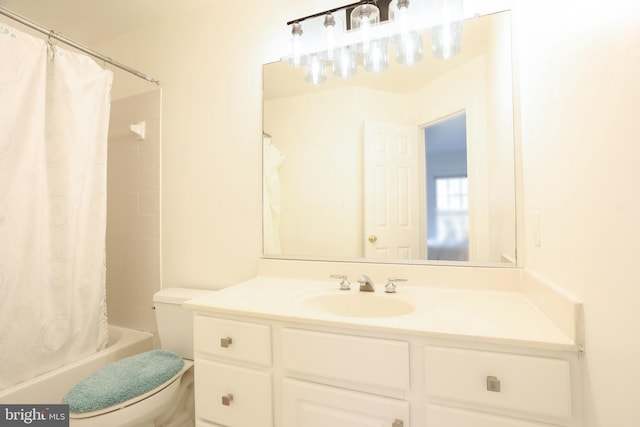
{"x": 361, "y": 304}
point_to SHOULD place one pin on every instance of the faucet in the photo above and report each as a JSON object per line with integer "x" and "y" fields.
{"x": 366, "y": 284}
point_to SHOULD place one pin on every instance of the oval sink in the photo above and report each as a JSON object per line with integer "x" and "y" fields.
{"x": 361, "y": 304}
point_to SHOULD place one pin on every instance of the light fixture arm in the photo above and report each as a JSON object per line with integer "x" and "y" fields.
{"x": 315, "y": 15}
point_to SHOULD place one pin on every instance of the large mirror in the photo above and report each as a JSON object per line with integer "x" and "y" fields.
{"x": 414, "y": 165}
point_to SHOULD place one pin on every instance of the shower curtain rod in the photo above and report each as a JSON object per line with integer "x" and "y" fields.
{"x": 53, "y": 35}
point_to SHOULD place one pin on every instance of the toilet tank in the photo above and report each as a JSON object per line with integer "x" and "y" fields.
{"x": 175, "y": 323}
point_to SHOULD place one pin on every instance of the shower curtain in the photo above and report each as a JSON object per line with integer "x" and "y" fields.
{"x": 54, "y": 113}
{"x": 272, "y": 159}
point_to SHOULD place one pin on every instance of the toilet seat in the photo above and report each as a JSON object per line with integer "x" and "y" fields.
{"x": 141, "y": 410}
{"x": 170, "y": 384}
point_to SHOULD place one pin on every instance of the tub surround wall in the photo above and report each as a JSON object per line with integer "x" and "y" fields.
{"x": 133, "y": 212}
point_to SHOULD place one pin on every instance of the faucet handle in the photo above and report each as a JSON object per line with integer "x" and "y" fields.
{"x": 390, "y": 287}
{"x": 344, "y": 282}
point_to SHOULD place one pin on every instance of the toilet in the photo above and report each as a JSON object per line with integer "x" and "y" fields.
{"x": 149, "y": 389}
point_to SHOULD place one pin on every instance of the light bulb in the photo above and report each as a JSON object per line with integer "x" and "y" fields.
{"x": 363, "y": 18}
{"x": 296, "y": 57}
{"x": 333, "y": 31}
{"x": 408, "y": 43}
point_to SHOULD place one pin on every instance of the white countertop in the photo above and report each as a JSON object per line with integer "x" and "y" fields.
{"x": 499, "y": 317}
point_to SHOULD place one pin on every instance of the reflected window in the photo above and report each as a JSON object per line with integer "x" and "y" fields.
{"x": 452, "y": 211}
{"x": 447, "y": 189}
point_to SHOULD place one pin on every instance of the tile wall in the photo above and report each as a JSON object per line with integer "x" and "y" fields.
{"x": 133, "y": 212}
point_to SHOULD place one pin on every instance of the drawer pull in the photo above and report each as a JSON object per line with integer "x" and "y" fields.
{"x": 493, "y": 384}
{"x": 225, "y": 342}
{"x": 227, "y": 399}
{"x": 398, "y": 423}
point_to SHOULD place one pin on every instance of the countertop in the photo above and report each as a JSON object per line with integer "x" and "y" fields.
{"x": 499, "y": 317}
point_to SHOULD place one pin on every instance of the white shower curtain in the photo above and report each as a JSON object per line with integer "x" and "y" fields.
{"x": 54, "y": 113}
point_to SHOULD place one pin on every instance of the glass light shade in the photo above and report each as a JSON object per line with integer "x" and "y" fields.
{"x": 296, "y": 58}
{"x": 363, "y": 18}
{"x": 332, "y": 35}
{"x": 316, "y": 74}
{"x": 376, "y": 59}
{"x": 345, "y": 64}
{"x": 399, "y": 13}
{"x": 409, "y": 50}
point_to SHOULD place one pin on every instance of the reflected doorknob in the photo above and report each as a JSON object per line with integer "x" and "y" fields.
{"x": 373, "y": 238}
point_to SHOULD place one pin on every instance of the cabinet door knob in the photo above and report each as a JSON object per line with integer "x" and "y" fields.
{"x": 493, "y": 384}
{"x": 398, "y": 423}
{"x": 225, "y": 342}
{"x": 227, "y": 399}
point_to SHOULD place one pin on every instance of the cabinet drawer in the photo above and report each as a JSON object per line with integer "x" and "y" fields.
{"x": 532, "y": 385}
{"x": 369, "y": 361}
{"x": 438, "y": 416}
{"x": 313, "y": 405}
{"x": 242, "y": 341}
{"x": 232, "y": 396}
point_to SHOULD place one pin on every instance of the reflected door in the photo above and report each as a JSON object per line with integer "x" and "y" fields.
{"x": 391, "y": 191}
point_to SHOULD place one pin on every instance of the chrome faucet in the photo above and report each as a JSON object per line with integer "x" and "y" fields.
{"x": 366, "y": 284}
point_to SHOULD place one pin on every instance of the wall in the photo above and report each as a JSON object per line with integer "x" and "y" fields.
{"x": 211, "y": 203}
{"x": 133, "y": 212}
{"x": 578, "y": 66}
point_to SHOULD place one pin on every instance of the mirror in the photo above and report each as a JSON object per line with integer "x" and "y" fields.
{"x": 353, "y": 172}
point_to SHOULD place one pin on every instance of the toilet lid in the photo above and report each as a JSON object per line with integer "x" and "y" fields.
{"x": 123, "y": 380}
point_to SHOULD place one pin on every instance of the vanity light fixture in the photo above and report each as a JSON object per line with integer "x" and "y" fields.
{"x": 368, "y": 39}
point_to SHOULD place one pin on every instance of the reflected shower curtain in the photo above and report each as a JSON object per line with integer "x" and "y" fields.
{"x": 54, "y": 113}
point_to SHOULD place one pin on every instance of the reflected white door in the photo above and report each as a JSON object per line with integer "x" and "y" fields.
{"x": 391, "y": 191}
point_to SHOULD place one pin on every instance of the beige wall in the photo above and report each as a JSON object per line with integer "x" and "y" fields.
{"x": 579, "y": 63}
{"x": 578, "y": 69}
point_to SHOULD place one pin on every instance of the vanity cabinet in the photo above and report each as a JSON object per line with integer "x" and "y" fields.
{"x": 233, "y": 385}
{"x": 274, "y": 373}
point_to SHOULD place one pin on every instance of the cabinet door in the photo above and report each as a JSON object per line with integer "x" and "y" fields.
{"x": 232, "y": 396}
{"x": 313, "y": 405}
{"x": 439, "y": 416}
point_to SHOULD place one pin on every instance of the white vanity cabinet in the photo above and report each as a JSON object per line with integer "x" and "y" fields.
{"x": 233, "y": 385}
{"x": 262, "y": 372}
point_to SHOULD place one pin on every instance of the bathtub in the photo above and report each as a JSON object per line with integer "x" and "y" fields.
{"x": 52, "y": 386}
